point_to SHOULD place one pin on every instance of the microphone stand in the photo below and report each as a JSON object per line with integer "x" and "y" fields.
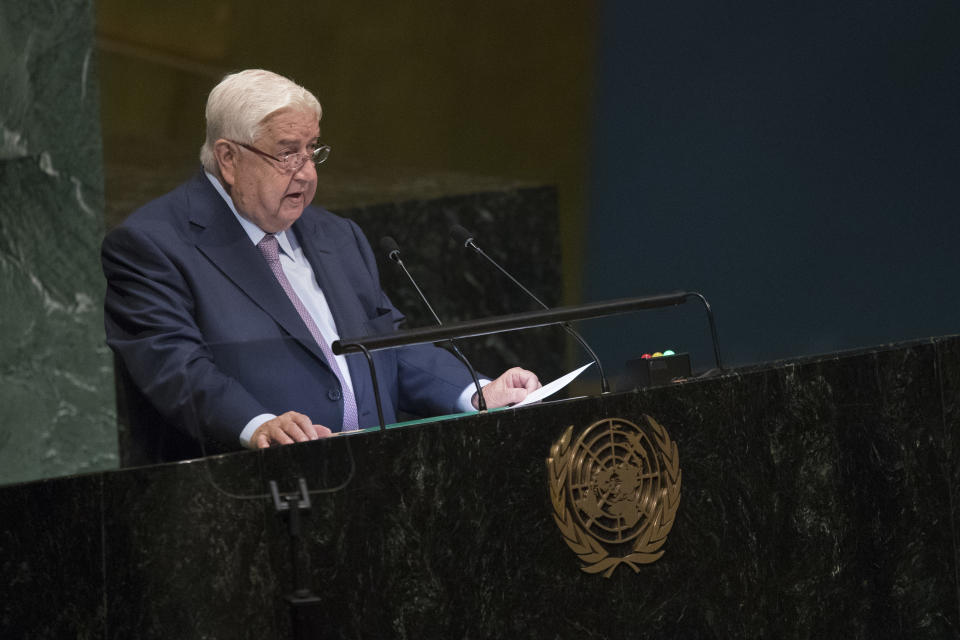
{"x": 462, "y": 235}
{"x": 393, "y": 252}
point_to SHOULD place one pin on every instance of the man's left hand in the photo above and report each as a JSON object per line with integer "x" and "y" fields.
{"x": 510, "y": 388}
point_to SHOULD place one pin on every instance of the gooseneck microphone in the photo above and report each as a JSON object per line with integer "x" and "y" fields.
{"x": 390, "y": 245}
{"x": 463, "y": 236}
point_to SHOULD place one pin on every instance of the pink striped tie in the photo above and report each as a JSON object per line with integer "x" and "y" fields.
{"x": 270, "y": 249}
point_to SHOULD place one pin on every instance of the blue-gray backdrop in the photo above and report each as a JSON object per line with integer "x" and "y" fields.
{"x": 795, "y": 162}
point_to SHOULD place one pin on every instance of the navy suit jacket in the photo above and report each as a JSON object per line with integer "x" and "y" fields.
{"x": 208, "y": 335}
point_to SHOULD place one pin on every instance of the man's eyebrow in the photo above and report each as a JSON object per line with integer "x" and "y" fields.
{"x": 288, "y": 141}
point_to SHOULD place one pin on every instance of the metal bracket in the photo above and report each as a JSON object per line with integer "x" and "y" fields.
{"x": 284, "y": 502}
{"x": 305, "y": 608}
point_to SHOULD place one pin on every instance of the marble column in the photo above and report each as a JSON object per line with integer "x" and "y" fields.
{"x": 56, "y": 384}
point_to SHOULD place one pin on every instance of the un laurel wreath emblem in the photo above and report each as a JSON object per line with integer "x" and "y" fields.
{"x": 615, "y": 492}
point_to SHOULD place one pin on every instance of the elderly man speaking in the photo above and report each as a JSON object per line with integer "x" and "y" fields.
{"x": 224, "y": 295}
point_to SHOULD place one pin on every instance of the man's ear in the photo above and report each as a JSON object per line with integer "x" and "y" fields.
{"x": 226, "y": 155}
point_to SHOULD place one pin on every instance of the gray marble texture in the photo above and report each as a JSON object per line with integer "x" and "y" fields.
{"x": 56, "y": 387}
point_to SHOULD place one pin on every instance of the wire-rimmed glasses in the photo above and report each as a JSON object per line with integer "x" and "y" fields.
{"x": 292, "y": 162}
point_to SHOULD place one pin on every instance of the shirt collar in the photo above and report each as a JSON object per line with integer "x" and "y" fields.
{"x": 256, "y": 234}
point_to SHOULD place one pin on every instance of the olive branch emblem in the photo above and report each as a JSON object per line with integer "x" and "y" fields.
{"x": 652, "y": 526}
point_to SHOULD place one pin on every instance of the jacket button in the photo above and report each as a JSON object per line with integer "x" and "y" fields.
{"x": 334, "y": 394}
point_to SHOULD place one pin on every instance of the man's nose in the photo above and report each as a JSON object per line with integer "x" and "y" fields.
{"x": 307, "y": 172}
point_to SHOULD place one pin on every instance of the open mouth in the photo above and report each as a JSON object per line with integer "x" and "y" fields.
{"x": 294, "y": 197}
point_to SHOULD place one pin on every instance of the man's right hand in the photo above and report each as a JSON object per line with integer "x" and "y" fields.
{"x": 286, "y": 429}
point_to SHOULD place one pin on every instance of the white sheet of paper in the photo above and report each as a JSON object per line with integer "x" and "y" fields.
{"x": 553, "y": 387}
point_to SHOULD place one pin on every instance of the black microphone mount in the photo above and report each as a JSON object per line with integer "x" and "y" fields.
{"x": 460, "y": 234}
{"x": 393, "y": 252}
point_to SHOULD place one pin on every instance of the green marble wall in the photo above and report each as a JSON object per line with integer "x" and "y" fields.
{"x": 56, "y": 381}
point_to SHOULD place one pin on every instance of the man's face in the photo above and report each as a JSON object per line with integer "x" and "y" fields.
{"x": 263, "y": 193}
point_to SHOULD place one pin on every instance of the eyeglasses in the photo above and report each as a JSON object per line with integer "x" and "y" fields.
{"x": 292, "y": 162}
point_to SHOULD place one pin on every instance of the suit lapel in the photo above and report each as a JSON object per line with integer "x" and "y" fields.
{"x": 223, "y": 241}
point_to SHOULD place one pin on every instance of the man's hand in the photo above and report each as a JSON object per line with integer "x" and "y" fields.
{"x": 286, "y": 429}
{"x": 511, "y": 387}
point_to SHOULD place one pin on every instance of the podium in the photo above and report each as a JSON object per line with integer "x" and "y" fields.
{"x": 819, "y": 499}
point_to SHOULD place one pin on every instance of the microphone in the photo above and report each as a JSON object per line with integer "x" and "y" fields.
{"x": 461, "y": 235}
{"x": 390, "y": 245}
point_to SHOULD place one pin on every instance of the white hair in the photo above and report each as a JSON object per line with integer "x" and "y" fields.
{"x": 237, "y": 107}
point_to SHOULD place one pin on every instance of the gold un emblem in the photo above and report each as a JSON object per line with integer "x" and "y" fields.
{"x": 615, "y": 492}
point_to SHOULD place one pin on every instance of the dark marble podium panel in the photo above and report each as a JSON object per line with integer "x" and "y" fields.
{"x": 518, "y": 226}
{"x": 819, "y": 501}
